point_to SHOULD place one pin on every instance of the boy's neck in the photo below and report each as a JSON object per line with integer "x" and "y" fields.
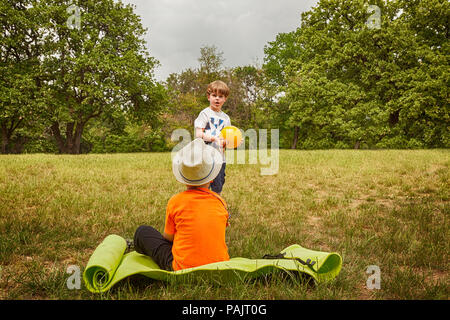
{"x": 216, "y": 109}
{"x": 206, "y": 186}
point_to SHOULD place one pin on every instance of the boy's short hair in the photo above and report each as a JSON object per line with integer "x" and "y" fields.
{"x": 218, "y": 87}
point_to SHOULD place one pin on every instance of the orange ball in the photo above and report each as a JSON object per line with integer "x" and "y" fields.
{"x": 232, "y": 135}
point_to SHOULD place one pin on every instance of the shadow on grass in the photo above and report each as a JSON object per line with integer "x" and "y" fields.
{"x": 198, "y": 287}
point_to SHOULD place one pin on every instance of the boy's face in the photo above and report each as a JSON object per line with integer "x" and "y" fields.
{"x": 216, "y": 100}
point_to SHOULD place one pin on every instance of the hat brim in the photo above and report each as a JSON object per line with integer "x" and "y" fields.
{"x": 217, "y": 165}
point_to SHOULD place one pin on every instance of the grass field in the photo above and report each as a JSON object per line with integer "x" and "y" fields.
{"x": 386, "y": 208}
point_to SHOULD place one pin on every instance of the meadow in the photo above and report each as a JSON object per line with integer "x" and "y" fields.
{"x": 388, "y": 208}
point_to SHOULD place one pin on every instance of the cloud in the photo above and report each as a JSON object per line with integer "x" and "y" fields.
{"x": 177, "y": 29}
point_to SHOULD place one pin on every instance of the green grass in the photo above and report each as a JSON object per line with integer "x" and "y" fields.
{"x": 387, "y": 208}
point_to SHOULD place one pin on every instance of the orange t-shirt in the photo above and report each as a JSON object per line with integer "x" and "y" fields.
{"x": 197, "y": 218}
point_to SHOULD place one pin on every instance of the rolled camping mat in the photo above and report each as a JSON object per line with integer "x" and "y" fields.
{"x": 108, "y": 265}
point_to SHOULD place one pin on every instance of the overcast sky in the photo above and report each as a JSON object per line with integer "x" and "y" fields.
{"x": 177, "y": 29}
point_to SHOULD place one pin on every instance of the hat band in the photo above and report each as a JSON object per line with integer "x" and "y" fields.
{"x": 190, "y": 180}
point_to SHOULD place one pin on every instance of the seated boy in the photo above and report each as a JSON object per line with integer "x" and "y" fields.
{"x": 196, "y": 219}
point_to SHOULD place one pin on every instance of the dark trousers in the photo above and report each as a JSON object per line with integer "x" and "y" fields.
{"x": 219, "y": 181}
{"x": 149, "y": 241}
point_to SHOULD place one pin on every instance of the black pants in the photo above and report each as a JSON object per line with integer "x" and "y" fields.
{"x": 219, "y": 181}
{"x": 149, "y": 241}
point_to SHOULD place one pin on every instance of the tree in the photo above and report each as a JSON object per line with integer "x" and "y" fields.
{"x": 278, "y": 56}
{"x": 352, "y": 86}
{"x": 421, "y": 109}
{"x": 21, "y": 104}
{"x": 100, "y": 68}
{"x": 332, "y": 90}
{"x": 211, "y": 63}
{"x": 246, "y": 97}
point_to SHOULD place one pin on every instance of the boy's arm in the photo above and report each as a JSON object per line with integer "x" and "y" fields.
{"x": 169, "y": 226}
{"x": 168, "y": 237}
{"x": 199, "y": 133}
{"x": 199, "y": 125}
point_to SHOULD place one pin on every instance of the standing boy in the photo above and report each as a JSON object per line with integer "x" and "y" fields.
{"x": 196, "y": 219}
{"x": 210, "y": 122}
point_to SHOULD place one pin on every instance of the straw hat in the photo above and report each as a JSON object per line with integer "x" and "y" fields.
{"x": 196, "y": 163}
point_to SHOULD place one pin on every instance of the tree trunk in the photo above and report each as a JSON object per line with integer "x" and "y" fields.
{"x": 7, "y": 134}
{"x": 71, "y": 143}
{"x": 76, "y": 143}
{"x": 59, "y": 139}
{"x": 295, "y": 139}
{"x": 19, "y": 144}
{"x": 69, "y": 137}
{"x": 357, "y": 144}
{"x": 5, "y": 138}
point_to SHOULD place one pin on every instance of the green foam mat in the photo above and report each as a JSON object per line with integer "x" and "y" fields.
{"x": 109, "y": 264}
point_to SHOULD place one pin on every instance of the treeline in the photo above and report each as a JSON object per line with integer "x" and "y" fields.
{"x": 350, "y": 76}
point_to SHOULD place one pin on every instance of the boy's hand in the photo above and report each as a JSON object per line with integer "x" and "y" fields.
{"x": 220, "y": 141}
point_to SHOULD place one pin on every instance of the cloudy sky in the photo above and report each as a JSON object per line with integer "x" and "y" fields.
{"x": 177, "y": 29}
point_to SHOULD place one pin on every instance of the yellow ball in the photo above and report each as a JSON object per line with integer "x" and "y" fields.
{"x": 232, "y": 135}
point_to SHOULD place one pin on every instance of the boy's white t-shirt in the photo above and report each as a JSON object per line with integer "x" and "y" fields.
{"x": 213, "y": 122}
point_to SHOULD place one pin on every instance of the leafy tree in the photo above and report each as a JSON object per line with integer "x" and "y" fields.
{"x": 247, "y": 95}
{"x": 421, "y": 113}
{"x": 100, "y": 68}
{"x": 211, "y": 63}
{"x": 332, "y": 90}
{"x": 21, "y": 105}
{"x": 278, "y": 56}
{"x": 352, "y": 86}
